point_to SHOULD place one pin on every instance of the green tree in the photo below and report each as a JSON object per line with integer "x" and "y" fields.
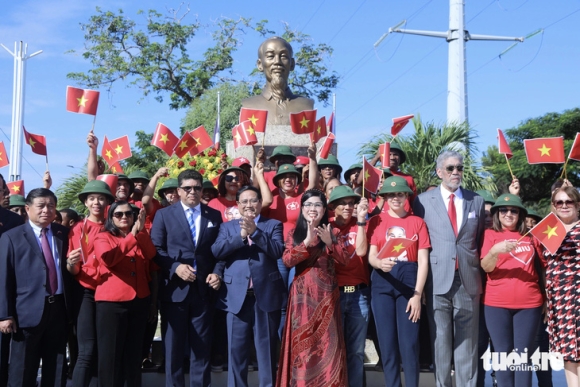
{"x": 145, "y": 157}
{"x": 535, "y": 180}
{"x": 423, "y": 147}
{"x": 67, "y": 192}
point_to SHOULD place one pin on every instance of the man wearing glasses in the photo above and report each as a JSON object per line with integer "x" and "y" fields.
{"x": 248, "y": 249}
{"x": 183, "y": 234}
{"x": 455, "y": 218}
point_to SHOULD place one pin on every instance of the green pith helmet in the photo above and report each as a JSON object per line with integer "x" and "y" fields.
{"x": 331, "y": 160}
{"x": 509, "y": 200}
{"x": 284, "y": 169}
{"x": 387, "y": 172}
{"x": 17, "y": 201}
{"x": 120, "y": 177}
{"x": 96, "y": 187}
{"x": 486, "y": 195}
{"x": 352, "y": 169}
{"x": 343, "y": 191}
{"x": 167, "y": 184}
{"x": 534, "y": 214}
{"x": 397, "y": 147}
{"x": 139, "y": 175}
{"x": 282, "y": 150}
{"x": 208, "y": 185}
{"x": 395, "y": 184}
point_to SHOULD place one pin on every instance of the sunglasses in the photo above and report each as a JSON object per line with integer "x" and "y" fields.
{"x": 121, "y": 214}
{"x": 195, "y": 188}
{"x": 450, "y": 168}
{"x": 504, "y": 211}
{"x": 230, "y": 178}
{"x": 560, "y": 203}
{"x": 392, "y": 195}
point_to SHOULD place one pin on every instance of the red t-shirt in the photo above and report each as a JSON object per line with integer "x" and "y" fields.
{"x": 357, "y": 270}
{"x": 285, "y": 210}
{"x": 88, "y": 276}
{"x": 383, "y": 226}
{"x": 513, "y": 284}
{"x": 150, "y": 214}
{"x": 228, "y": 208}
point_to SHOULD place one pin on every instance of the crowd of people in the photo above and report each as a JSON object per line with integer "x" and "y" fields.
{"x": 289, "y": 270}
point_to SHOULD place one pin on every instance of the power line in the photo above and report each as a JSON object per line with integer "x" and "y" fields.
{"x": 349, "y": 19}
{"x": 311, "y": 17}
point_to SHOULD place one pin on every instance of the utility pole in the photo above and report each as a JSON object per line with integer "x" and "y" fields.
{"x": 18, "y": 90}
{"x": 456, "y": 36}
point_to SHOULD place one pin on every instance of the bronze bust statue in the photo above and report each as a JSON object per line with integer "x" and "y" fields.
{"x": 276, "y": 61}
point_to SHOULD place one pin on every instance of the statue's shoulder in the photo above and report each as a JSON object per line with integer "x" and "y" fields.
{"x": 254, "y": 101}
{"x": 298, "y": 103}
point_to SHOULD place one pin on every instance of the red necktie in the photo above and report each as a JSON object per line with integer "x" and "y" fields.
{"x": 52, "y": 284}
{"x": 453, "y": 218}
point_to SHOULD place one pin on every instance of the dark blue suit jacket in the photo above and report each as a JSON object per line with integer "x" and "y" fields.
{"x": 9, "y": 220}
{"x": 23, "y": 274}
{"x": 171, "y": 236}
{"x": 241, "y": 260}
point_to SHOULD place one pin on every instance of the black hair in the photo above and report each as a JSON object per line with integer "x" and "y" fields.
{"x": 189, "y": 174}
{"x": 71, "y": 214}
{"x": 4, "y": 185}
{"x": 520, "y": 225}
{"x": 109, "y": 224}
{"x": 40, "y": 193}
{"x": 248, "y": 188}
{"x": 301, "y": 229}
{"x": 241, "y": 174}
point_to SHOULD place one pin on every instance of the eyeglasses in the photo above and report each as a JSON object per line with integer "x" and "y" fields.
{"x": 195, "y": 188}
{"x": 504, "y": 210}
{"x": 560, "y": 203}
{"x": 249, "y": 201}
{"x": 230, "y": 178}
{"x": 450, "y": 168}
{"x": 121, "y": 214}
{"x": 345, "y": 204}
{"x": 326, "y": 167}
{"x": 317, "y": 205}
{"x": 392, "y": 195}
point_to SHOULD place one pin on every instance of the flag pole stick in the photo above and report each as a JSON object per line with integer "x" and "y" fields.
{"x": 263, "y": 138}
{"x": 94, "y": 120}
{"x": 564, "y": 169}
{"x": 46, "y": 155}
{"x": 523, "y": 236}
{"x": 363, "y": 182}
{"x": 509, "y": 167}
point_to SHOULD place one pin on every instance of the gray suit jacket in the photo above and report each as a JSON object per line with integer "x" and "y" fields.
{"x": 446, "y": 247}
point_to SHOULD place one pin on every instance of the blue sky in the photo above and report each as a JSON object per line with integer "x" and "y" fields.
{"x": 405, "y": 75}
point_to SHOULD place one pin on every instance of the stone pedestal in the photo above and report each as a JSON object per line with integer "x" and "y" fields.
{"x": 276, "y": 135}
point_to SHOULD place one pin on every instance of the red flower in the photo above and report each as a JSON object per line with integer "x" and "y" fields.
{"x": 212, "y": 153}
{"x": 202, "y": 154}
{"x": 192, "y": 163}
{"x": 224, "y": 156}
{"x": 180, "y": 164}
{"x": 219, "y": 171}
{"x": 202, "y": 171}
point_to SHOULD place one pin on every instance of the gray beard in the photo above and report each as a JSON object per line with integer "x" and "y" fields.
{"x": 278, "y": 87}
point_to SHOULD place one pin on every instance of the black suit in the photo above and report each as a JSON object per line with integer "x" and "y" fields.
{"x": 41, "y": 321}
{"x": 8, "y": 220}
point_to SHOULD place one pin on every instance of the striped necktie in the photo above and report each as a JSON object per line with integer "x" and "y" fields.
{"x": 191, "y": 220}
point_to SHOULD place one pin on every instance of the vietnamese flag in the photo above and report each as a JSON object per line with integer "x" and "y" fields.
{"x": 545, "y": 150}
{"x": 237, "y": 137}
{"x": 3, "y": 156}
{"x": 116, "y": 168}
{"x": 385, "y": 152}
{"x": 575, "y": 150}
{"x": 258, "y": 118}
{"x": 502, "y": 145}
{"x": 327, "y": 146}
{"x": 248, "y": 133}
{"x": 550, "y": 232}
{"x": 215, "y": 181}
{"x": 164, "y": 139}
{"x": 121, "y": 147}
{"x": 330, "y": 124}
{"x": 303, "y": 122}
{"x": 108, "y": 153}
{"x": 202, "y": 140}
{"x": 397, "y": 247}
{"x": 84, "y": 239}
{"x": 16, "y": 187}
{"x": 111, "y": 180}
{"x": 399, "y": 123}
{"x": 319, "y": 131}
{"x": 36, "y": 142}
{"x": 184, "y": 145}
{"x": 372, "y": 176}
{"x": 82, "y": 100}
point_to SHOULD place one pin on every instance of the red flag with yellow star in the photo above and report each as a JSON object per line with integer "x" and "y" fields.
{"x": 248, "y": 133}
{"x": 399, "y": 249}
{"x": 108, "y": 153}
{"x": 3, "y": 156}
{"x": 16, "y": 187}
{"x": 116, "y": 168}
{"x": 399, "y": 123}
{"x": 184, "y": 145}
{"x": 545, "y": 150}
{"x": 372, "y": 176}
{"x": 575, "y": 150}
{"x": 202, "y": 140}
{"x": 385, "y": 152}
{"x": 319, "y": 130}
{"x": 502, "y": 145}
{"x": 303, "y": 122}
{"x": 82, "y": 100}
{"x": 36, "y": 141}
{"x": 258, "y": 118}
{"x": 327, "y": 146}
{"x": 85, "y": 242}
{"x": 550, "y": 232}
{"x": 121, "y": 147}
{"x": 164, "y": 139}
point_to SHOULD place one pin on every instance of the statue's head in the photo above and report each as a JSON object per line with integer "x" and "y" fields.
{"x": 276, "y": 61}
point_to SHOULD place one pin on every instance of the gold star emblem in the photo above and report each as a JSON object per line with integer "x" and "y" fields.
{"x": 114, "y": 169}
{"x": 119, "y": 149}
{"x": 108, "y": 154}
{"x": 31, "y": 142}
{"x": 544, "y": 150}
{"x": 197, "y": 140}
{"x": 253, "y": 119}
{"x": 16, "y": 188}
{"x": 238, "y": 137}
{"x": 82, "y": 101}
{"x": 367, "y": 175}
{"x": 398, "y": 247}
{"x": 250, "y": 130}
{"x": 550, "y": 231}
{"x": 304, "y": 122}
{"x": 183, "y": 145}
{"x": 319, "y": 129}
{"x": 0, "y": 155}
{"x": 87, "y": 238}
{"x": 164, "y": 138}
